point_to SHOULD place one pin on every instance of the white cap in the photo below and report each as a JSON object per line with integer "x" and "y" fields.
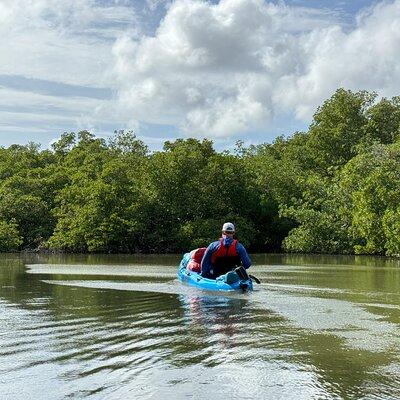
{"x": 228, "y": 227}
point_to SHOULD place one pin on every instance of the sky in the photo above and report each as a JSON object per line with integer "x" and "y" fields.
{"x": 224, "y": 70}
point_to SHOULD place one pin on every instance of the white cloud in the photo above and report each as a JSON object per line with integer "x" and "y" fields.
{"x": 39, "y": 113}
{"x": 68, "y": 105}
{"x": 63, "y": 41}
{"x": 227, "y": 68}
{"x": 61, "y": 47}
{"x": 364, "y": 58}
{"x": 212, "y": 70}
{"x": 154, "y": 4}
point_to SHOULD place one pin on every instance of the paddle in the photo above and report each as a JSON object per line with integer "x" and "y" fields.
{"x": 255, "y": 279}
{"x": 242, "y": 273}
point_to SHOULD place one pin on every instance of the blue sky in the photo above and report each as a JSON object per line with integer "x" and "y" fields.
{"x": 231, "y": 70}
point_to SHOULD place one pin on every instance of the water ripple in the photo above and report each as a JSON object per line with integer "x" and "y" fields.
{"x": 117, "y": 331}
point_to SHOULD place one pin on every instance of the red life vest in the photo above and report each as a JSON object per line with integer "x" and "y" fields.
{"x": 223, "y": 251}
{"x": 224, "y": 259}
{"x": 196, "y": 256}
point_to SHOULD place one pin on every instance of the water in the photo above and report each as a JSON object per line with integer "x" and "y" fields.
{"x": 123, "y": 327}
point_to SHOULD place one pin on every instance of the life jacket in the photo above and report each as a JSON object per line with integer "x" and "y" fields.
{"x": 196, "y": 256}
{"x": 224, "y": 259}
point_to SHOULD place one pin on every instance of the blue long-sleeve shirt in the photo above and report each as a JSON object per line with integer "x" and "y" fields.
{"x": 206, "y": 261}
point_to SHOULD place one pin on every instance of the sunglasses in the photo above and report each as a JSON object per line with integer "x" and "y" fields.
{"x": 229, "y": 233}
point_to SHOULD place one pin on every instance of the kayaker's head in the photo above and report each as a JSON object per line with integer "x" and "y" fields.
{"x": 228, "y": 229}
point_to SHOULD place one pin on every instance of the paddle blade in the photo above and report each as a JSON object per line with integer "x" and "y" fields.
{"x": 255, "y": 279}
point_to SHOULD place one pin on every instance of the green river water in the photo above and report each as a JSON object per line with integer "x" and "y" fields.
{"x": 123, "y": 327}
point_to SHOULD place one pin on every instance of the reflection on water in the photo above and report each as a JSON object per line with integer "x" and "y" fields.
{"x": 107, "y": 327}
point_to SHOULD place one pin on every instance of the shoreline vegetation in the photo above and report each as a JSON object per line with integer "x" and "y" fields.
{"x": 334, "y": 189}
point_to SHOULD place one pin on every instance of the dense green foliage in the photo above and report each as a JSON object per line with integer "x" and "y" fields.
{"x": 332, "y": 189}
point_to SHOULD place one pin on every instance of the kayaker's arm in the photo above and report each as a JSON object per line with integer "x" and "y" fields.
{"x": 244, "y": 257}
{"x": 206, "y": 261}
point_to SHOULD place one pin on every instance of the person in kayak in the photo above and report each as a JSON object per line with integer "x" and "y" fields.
{"x": 224, "y": 254}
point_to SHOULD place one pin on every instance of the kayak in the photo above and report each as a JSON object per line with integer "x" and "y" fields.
{"x": 228, "y": 282}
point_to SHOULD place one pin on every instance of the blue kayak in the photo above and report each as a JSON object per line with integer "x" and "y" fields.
{"x": 219, "y": 284}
